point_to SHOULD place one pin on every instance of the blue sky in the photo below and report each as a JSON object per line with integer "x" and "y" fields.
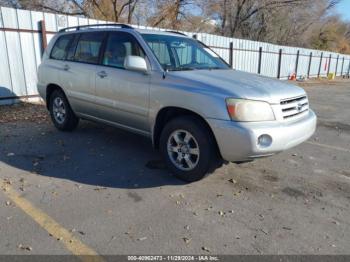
{"x": 344, "y": 9}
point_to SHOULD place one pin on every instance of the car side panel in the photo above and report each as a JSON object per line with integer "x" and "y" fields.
{"x": 79, "y": 85}
{"x": 172, "y": 92}
{"x": 123, "y": 97}
{"x": 49, "y": 73}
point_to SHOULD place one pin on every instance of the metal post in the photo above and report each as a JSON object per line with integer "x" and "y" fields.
{"x": 43, "y": 35}
{"x": 259, "y": 62}
{"x": 279, "y": 64}
{"x": 342, "y": 67}
{"x": 231, "y": 54}
{"x": 336, "y": 66}
{"x": 319, "y": 69}
{"x": 348, "y": 70}
{"x": 297, "y": 63}
{"x": 329, "y": 64}
{"x": 309, "y": 68}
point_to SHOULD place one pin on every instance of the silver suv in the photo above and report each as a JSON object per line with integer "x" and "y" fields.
{"x": 174, "y": 90}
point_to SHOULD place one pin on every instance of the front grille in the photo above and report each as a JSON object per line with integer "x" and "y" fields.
{"x": 295, "y": 106}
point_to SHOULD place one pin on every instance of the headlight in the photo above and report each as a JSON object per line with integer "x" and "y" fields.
{"x": 249, "y": 110}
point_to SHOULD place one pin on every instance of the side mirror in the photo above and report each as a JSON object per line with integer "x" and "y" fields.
{"x": 135, "y": 63}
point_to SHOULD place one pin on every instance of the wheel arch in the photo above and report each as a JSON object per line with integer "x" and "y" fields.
{"x": 166, "y": 114}
{"x": 49, "y": 90}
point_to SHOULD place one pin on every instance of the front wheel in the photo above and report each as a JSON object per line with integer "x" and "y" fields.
{"x": 188, "y": 148}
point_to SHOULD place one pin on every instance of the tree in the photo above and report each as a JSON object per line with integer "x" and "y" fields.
{"x": 112, "y": 10}
{"x": 333, "y": 34}
{"x": 169, "y": 13}
{"x": 234, "y": 14}
{"x": 304, "y": 23}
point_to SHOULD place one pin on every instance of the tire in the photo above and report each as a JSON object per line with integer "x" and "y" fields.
{"x": 203, "y": 160}
{"x": 64, "y": 122}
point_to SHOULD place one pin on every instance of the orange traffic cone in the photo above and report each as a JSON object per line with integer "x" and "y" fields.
{"x": 293, "y": 77}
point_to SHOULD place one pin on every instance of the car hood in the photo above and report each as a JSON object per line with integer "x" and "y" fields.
{"x": 238, "y": 84}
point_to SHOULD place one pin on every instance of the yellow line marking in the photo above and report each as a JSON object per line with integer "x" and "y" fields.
{"x": 328, "y": 146}
{"x": 72, "y": 243}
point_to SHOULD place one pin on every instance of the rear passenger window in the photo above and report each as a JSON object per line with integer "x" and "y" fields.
{"x": 88, "y": 48}
{"x": 59, "y": 51}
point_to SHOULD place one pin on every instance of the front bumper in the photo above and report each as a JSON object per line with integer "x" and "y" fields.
{"x": 238, "y": 141}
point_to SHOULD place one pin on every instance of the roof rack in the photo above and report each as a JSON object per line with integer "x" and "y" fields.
{"x": 176, "y": 32}
{"x": 95, "y": 25}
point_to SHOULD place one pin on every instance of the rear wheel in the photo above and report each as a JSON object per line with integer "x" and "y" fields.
{"x": 188, "y": 148}
{"x": 61, "y": 113}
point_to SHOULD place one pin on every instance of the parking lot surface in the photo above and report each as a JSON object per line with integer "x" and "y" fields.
{"x": 99, "y": 189}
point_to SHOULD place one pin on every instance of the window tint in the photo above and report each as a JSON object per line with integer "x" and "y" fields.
{"x": 59, "y": 51}
{"x": 119, "y": 46}
{"x": 181, "y": 53}
{"x": 186, "y": 56}
{"x": 184, "y": 53}
{"x": 161, "y": 51}
{"x": 72, "y": 47}
{"x": 88, "y": 47}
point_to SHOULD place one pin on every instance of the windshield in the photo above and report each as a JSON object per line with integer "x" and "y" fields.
{"x": 180, "y": 53}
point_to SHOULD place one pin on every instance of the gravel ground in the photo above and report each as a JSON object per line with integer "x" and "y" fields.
{"x": 111, "y": 191}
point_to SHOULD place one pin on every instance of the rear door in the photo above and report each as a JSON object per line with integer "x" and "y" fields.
{"x": 122, "y": 96}
{"x": 79, "y": 71}
{"x": 53, "y": 70}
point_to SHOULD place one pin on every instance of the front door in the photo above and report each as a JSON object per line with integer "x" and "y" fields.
{"x": 122, "y": 96}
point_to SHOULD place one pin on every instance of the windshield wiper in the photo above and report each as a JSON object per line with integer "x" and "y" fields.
{"x": 209, "y": 68}
{"x": 181, "y": 69}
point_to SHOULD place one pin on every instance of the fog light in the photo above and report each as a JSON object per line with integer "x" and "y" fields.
{"x": 264, "y": 140}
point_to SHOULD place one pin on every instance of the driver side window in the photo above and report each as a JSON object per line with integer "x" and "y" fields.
{"x": 119, "y": 46}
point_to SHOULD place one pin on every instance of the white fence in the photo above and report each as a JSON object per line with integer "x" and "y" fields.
{"x": 22, "y": 39}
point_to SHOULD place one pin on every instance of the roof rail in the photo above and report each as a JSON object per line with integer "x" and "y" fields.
{"x": 176, "y": 32}
{"x": 95, "y": 25}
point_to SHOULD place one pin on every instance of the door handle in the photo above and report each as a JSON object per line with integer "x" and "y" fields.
{"x": 102, "y": 74}
{"x": 66, "y": 67}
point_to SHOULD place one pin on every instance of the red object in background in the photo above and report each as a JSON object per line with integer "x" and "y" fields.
{"x": 293, "y": 77}
{"x": 326, "y": 65}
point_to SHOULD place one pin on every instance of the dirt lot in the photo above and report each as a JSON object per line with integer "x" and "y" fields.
{"x": 103, "y": 190}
